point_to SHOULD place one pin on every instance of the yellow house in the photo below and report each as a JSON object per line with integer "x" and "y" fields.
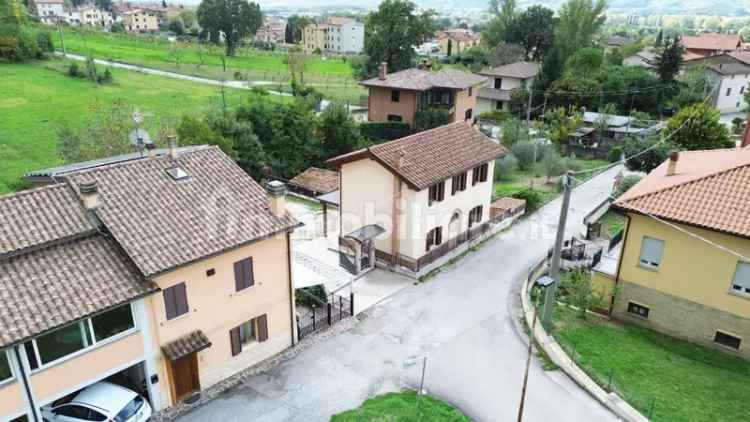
{"x": 165, "y": 274}
{"x": 410, "y": 201}
{"x": 315, "y": 37}
{"x": 682, "y": 267}
{"x": 455, "y": 41}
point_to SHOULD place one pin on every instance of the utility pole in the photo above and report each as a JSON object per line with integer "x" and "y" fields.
{"x": 528, "y": 109}
{"x": 62, "y": 38}
{"x": 549, "y": 294}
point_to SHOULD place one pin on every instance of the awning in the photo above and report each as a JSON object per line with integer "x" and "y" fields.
{"x": 366, "y": 232}
{"x": 185, "y": 345}
{"x": 330, "y": 198}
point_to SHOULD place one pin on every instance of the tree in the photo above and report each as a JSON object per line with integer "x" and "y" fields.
{"x": 578, "y": 291}
{"x": 189, "y": 19}
{"x": 104, "y": 4}
{"x": 105, "y": 135}
{"x": 578, "y": 23}
{"x": 296, "y": 61}
{"x": 513, "y": 132}
{"x": 585, "y": 62}
{"x": 176, "y": 25}
{"x": 575, "y": 91}
{"x": 195, "y": 131}
{"x": 504, "y": 12}
{"x": 534, "y": 30}
{"x": 337, "y": 130}
{"x": 505, "y": 53}
{"x": 12, "y": 12}
{"x": 669, "y": 60}
{"x": 560, "y": 125}
{"x": 505, "y": 167}
{"x": 295, "y": 25}
{"x": 391, "y": 34}
{"x": 659, "y": 39}
{"x": 431, "y": 118}
{"x": 698, "y": 127}
{"x": 528, "y": 153}
{"x": 625, "y": 184}
{"x": 553, "y": 164}
{"x": 234, "y": 19}
{"x": 646, "y": 161}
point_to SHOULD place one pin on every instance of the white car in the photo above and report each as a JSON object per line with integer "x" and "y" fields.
{"x": 100, "y": 402}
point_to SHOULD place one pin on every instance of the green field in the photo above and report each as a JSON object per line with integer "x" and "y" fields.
{"x": 36, "y": 99}
{"x": 405, "y": 406}
{"x": 332, "y": 76}
{"x": 665, "y": 378}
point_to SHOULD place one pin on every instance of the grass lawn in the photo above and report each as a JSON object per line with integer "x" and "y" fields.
{"x": 612, "y": 223}
{"x": 682, "y": 381}
{"x": 332, "y": 76}
{"x": 36, "y": 99}
{"x": 405, "y": 406}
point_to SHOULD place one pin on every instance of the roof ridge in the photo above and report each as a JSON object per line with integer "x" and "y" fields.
{"x": 31, "y": 191}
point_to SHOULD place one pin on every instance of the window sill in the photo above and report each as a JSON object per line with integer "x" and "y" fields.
{"x": 647, "y": 268}
{"x": 727, "y": 348}
{"x": 167, "y": 322}
{"x": 82, "y": 352}
{"x": 641, "y": 317}
{"x": 9, "y": 381}
{"x": 741, "y": 295}
{"x": 245, "y": 290}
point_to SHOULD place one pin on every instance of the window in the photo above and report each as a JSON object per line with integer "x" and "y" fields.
{"x": 458, "y": 183}
{"x": 395, "y": 118}
{"x": 729, "y": 91}
{"x": 637, "y": 309}
{"x": 727, "y": 340}
{"x": 479, "y": 174}
{"x": 210, "y": 272}
{"x": 5, "y": 372}
{"x": 651, "y": 251}
{"x": 437, "y": 192}
{"x": 434, "y": 238}
{"x": 741, "y": 282}
{"x": 243, "y": 274}
{"x": 498, "y": 83}
{"x": 468, "y": 114}
{"x": 498, "y": 105}
{"x": 78, "y": 336}
{"x": 475, "y": 215}
{"x": 395, "y": 95}
{"x": 175, "y": 300}
{"x": 471, "y": 91}
{"x": 742, "y": 90}
{"x": 254, "y": 330}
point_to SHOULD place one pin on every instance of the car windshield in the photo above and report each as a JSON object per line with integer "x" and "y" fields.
{"x": 130, "y": 409}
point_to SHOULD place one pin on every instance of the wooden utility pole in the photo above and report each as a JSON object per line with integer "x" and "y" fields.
{"x": 549, "y": 294}
{"x": 62, "y": 38}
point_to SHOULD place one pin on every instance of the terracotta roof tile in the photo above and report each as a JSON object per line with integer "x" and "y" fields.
{"x": 520, "y": 70}
{"x": 317, "y": 180}
{"x": 162, "y": 223}
{"x": 706, "y": 41}
{"x": 422, "y": 80}
{"x": 185, "y": 345}
{"x": 710, "y": 189}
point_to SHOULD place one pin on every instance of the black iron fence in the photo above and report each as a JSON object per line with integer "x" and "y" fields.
{"x": 317, "y": 318}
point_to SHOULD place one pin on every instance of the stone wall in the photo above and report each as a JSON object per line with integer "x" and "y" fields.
{"x": 682, "y": 318}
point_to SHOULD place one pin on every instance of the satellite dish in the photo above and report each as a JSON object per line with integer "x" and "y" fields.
{"x": 140, "y": 138}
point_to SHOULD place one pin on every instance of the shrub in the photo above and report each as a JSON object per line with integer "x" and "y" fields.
{"x": 74, "y": 71}
{"x": 19, "y": 43}
{"x": 614, "y": 154}
{"x": 44, "y": 42}
{"x": 513, "y": 132}
{"x": 313, "y": 296}
{"x": 431, "y": 118}
{"x": 625, "y": 184}
{"x": 384, "y": 131}
{"x": 527, "y": 153}
{"x": 106, "y": 78}
{"x": 554, "y": 165}
{"x": 497, "y": 116}
{"x": 504, "y": 167}
{"x": 532, "y": 197}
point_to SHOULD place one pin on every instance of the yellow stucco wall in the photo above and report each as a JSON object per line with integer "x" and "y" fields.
{"x": 381, "y": 106}
{"x": 603, "y": 286}
{"x": 11, "y": 399}
{"x": 215, "y": 307}
{"x": 690, "y": 268}
{"x": 50, "y": 383}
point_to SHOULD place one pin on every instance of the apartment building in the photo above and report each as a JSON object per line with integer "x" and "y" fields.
{"x": 140, "y": 20}
{"x": 336, "y": 34}
{"x": 400, "y": 96}
{"x": 408, "y": 202}
{"x": 501, "y": 81}
{"x": 680, "y": 268}
{"x": 118, "y": 273}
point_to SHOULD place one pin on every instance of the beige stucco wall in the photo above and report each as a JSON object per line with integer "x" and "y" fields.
{"x": 139, "y": 22}
{"x": 381, "y": 106}
{"x": 57, "y": 380}
{"x": 313, "y": 37}
{"x": 11, "y": 399}
{"x": 215, "y": 307}
{"x": 690, "y": 268}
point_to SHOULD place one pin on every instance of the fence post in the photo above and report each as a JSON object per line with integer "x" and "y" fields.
{"x": 328, "y": 307}
{"x": 351, "y": 303}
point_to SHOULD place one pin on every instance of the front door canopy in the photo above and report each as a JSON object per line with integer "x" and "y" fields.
{"x": 365, "y": 233}
{"x": 185, "y": 345}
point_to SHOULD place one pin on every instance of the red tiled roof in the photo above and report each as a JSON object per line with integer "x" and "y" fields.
{"x": 706, "y": 41}
{"x": 422, "y": 80}
{"x": 520, "y": 70}
{"x": 431, "y": 156}
{"x": 318, "y": 180}
{"x": 710, "y": 189}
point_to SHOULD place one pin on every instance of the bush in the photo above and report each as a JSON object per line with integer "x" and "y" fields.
{"x": 526, "y": 153}
{"x": 311, "y": 297}
{"x": 554, "y": 165}
{"x": 532, "y": 197}
{"x": 497, "y": 116}
{"x": 384, "y": 131}
{"x": 431, "y": 118}
{"x": 117, "y": 27}
{"x": 44, "y": 41}
{"x": 505, "y": 167}
{"x": 19, "y": 43}
{"x": 74, "y": 71}
{"x": 625, "y": 184}
{"x": 615, "y": 154}
{"x": 106, "y": 78}
{"x": 513, "y": 132}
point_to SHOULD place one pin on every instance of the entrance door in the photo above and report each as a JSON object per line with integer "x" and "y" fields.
{"x": 185, "y": 374}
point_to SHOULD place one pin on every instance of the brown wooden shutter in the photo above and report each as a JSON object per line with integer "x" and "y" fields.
{"x": 441, "y": 191}
{"x": 438, "y": 235}
{"x": 169, "y": 303}
{"x": 454, "y": 185}
{"x": 181, "y": 299}
{"x": 234, "y": 340}
{"x": 262, "y": 328}
{"x": 238, "y": 283}
{"x": 249, "y": 274}
{"x": 474, "y": 176}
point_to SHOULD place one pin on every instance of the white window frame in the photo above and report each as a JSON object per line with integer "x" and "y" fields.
{"x": 86, "y": 348}
{"x": 746, "y": 291}
{"x": 649, "y": 264}
{"x": 8, "y": 357}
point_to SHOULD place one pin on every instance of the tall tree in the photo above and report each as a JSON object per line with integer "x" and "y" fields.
{"x": 337, "y": 130}
{"x": 669, "y": 59}
{"x": 504, "y": 12}
{"x": 698, "y": 127}
{"x": 534, "y": 30}
{"x": 579, "y": 22}
{"x": 391, "y": 34}
{"x": 294, "y": 27}
{"x": 234, "y": 19}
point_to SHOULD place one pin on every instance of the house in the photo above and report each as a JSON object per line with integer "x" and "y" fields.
{"x": 336, "y": 34}
{"x": 400, "y": 96}
{"x": 93, "y": 16}
{"x": 591, "y": 141}
{"x": 50, "y": 11}
{"x": 707, "y": 44}
{"x": 682, "y": 266}
{"x": 272, "y": 31}
{"x": 501, "y": 81}
{"x": 408, "y": 202}
{"x": 315, "y": 181}
{"x": 729, "y": 75}
{"x": 454, "y": 41}
{"x": 140, "y": 20}
{"x": 165, "y": 274}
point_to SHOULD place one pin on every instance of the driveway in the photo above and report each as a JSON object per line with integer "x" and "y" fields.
{"x": 462, "y": 320}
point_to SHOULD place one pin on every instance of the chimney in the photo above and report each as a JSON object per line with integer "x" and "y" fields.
{"x": 151, "y": 150}
{"x": 89, "y": 194}
{"x": 277, "y": 197}
{"x": 172, "y": 142}
{"x": 400, "y": 161}
{"x": 382, "y": 71}
{"x": 672, "y": 165}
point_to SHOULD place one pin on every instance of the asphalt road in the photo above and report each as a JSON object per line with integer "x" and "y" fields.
{"x": 461, "y": 320}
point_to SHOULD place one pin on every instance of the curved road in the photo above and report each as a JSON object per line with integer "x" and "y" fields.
{"x": 462, "y": 320}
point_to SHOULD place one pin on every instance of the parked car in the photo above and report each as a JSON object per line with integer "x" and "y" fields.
{"x": 99, "y": 402}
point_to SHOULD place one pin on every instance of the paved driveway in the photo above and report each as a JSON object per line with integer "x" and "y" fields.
{"x": 462, "y": 320}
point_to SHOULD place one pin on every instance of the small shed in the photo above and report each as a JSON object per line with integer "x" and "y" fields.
{"x": 315, "y": 181}
{"x": 507, "y": 207}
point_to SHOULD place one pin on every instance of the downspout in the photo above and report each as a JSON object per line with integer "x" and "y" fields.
{"x": 25, "y": 381}
{"x": 396, "y": 212}
{"x": 291, "y": 288}
{"x": 619, "y": 264}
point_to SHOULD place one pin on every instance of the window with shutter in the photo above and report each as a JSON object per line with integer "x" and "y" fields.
{"x": 651, "y": 252}
{"x": 741, "y": 283}
{"x": 175, "y": 300}
{"x": 483, "y": 172}
{"x": 262, "y": 328}
{"x": 234, "y": 340}
{"x": 243, "y": 274}
{"x": 474, "y": 176}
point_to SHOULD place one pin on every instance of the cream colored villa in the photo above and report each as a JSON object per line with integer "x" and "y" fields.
{"x": 118, "y": 273}
{"x": 410, "y": 201}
